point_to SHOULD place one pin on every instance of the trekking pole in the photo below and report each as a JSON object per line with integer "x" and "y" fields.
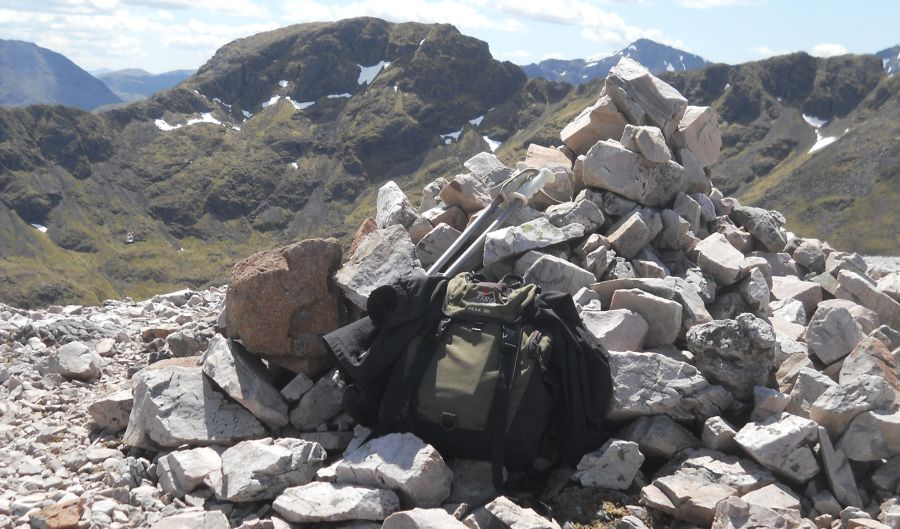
{"x": 511, "y": 204}
{"x": 481, "y": 221}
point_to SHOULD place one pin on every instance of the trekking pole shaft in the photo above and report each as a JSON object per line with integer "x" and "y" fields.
{"x": 476, "y": 246}
{"x": 464, "y": 237}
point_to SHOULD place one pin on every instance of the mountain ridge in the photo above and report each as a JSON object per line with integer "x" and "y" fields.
{"x": 652, "y": 55}
{"x": 257, "y": 149}
{"x": 35, "y": 75}
{"x": 134, "y": 84}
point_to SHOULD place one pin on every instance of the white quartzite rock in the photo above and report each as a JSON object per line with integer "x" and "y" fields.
{"x": 782, "y": 444}
{"x": 401, "y": 462}
{"x": 179, "y": 405}
{"x": 245, "y": 379}
{"x": 735, "y": 513}
{"x": 643, "y": 98}
{"x": 76, "y": 361}
{"x": 326, "y": 502}
{"x": 699, "y": 132}
{"x": 467, "y": 192}
{"x": 381, "y": 258}
{"x": 662, "y": 315}
{"x": 610, "y": 166}
{"x": 553, "y": 273}
{"x": 872, "y": 435}
{"x": 764, "y": 225}
{"x": 320, "y": 403}
{"x": 838, "y": 472}
{"x": 583, "y": 212}
{"x": 649, "y": 141}
{"x": 617, "y": 330}
{"x": 183, "y": 471}
{"x": 392, "y": 207}
{"x": 613, "y": 466}
{"x": 193, "y": 520}
{"x": 260, "y": 469}
{"x": 686, "y": 395}
{"x": 422, "y": 519}
{"x": 840, "y": 404}
{"x": 601, "y": 121}
{"x": 111, "y": 411}
{"x": 504, "y": 513}
{"x": 832, "y": 334}
{"x": 716, "y": 256}
{"x": 516, "y": 240}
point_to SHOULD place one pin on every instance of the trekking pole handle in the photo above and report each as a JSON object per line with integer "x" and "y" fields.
{"x": 528, "y": 190}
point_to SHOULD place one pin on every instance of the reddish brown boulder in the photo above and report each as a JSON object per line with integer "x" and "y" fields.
{"x": 57, "y": 517}
{"x": 280, "y": 301}
{"x": 366, "y": 227}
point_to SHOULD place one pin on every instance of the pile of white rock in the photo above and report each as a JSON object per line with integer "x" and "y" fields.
{"x": 757, "y": 374}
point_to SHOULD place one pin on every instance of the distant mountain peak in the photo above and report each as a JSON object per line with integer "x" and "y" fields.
{"x": 654, "y": 56}
{"x": 890, "y": 59}
{"x": 35, "y": 75}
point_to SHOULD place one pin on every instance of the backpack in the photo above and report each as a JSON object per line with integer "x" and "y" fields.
{"x": 480, "y": 370}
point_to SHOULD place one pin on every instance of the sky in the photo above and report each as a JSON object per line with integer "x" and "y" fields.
{"x": 164, "y": 35}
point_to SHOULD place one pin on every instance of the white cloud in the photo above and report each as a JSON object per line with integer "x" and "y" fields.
{"x": 516, "y": 56}
{"x": 240, "y": 8}
{"x": 465, "y": 14}
{"x": 765, "y": 51}
{"x": 706, "y": 4}
{"x": 828, "y": 50}
{"x": 596, "y": 24}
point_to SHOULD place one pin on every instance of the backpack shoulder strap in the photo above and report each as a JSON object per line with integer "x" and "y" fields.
{"x": 510, "y": 342}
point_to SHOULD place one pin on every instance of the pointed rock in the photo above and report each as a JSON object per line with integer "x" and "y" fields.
{"x": 245, "y": 379}
{"x": 600, "y": 121}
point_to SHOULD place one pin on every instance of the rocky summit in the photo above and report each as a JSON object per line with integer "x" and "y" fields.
{"x": 755, "y": 372}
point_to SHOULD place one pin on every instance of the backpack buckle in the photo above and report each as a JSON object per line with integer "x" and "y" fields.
{"x": 448, "y": 420}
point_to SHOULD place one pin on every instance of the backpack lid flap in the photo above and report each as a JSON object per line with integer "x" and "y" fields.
{"x": 502, "y": 302}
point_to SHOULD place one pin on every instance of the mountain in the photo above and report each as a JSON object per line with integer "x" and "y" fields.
{"x": 654, "y": 56}
{"x": 890, "y": 59}
{"x": 32, "y": 75}
{"x": 135, "y": 84}
{"x": 279, "y": 136}
{"x": 289, "y": 134}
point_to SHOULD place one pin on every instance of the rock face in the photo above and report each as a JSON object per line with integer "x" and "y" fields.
{"x": 245, "y": 379}
{"x": 280, "y": 301}
{"x": 401, "y": 462}
{"x": 174, "y": 406}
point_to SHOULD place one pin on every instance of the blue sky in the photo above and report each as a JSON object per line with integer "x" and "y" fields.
{"x": 161, "y": 35}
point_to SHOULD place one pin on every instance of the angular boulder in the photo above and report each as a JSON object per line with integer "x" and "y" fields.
{"x": 76, "y": 361}
{"x": 610, "y": 166}
{"x": 261, "y": 469}
{"x": 111, "y": 411}
{"x": 617, "y": 330}
{"x": 280, "y": 301}
{"x": 245, "y": 379}
{"x": 738, "y": 354}
{"x": 662, "y": 315}
{"x": 516, "y": 240}
{"x": 600, "y": 121}
{"x": 401, "y": 462}
{"x": 613, "y": 466}
{"x": 716, "y": 256}
{"x": 686, "y": 395}
{"x": 698, "y": 131}
{"x": 553, "y": 273}
{"x": 326, "y": 502}
{"x": 382, "y": 257}
{"x": 782, "y": 444}
{"x": 643, "y": 98}
{"x": 176, "y": 406}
